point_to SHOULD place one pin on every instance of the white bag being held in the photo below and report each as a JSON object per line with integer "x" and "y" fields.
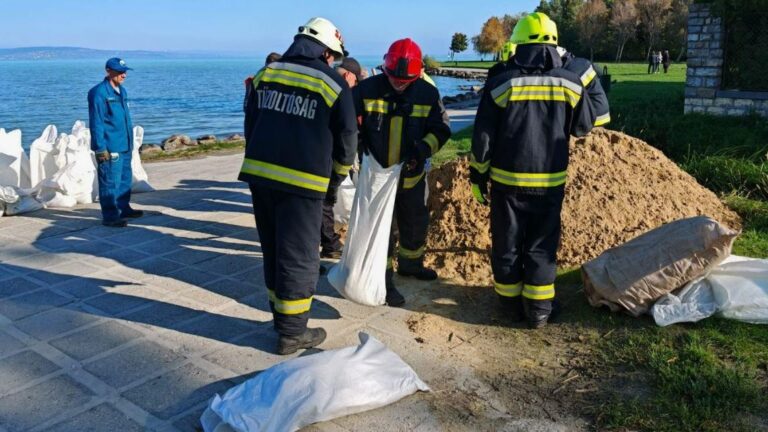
{"x": 360, "y": 274}
{"x": 314, "y": 388}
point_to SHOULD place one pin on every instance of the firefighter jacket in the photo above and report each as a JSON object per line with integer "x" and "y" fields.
{"x": 524, "y": 122}
{"x": 401, "y": 127}
{"x": 300, "y": 125}
{"x": 589, "y": 79}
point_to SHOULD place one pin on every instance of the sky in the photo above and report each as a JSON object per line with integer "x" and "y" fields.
{"x": 241, "y": 26}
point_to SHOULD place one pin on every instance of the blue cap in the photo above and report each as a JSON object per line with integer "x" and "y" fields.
{"x": 117, "y": 65}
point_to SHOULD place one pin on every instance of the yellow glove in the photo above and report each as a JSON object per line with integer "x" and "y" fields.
{"x": 480, "y": 193}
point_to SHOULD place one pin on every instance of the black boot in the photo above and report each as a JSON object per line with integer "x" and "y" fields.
{"x": 309, "y": 339}
{"x": 511, "y": 308}
{"x": 415, "y": 268}
{"x": 394, "y": 298}
{"x": 539, "y": 312}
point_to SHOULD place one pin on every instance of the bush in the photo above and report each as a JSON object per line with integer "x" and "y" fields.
{"x": 430, "y": 64}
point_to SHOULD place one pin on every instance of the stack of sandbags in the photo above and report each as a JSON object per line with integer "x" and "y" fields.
{"x": 14, "y": 163}
{"x": 75, "y": 180}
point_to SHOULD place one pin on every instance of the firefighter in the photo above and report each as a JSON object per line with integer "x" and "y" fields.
{"x": 520, "y": 144}
{"x": 506, "y": 53}
{"x": 301, "y": 138}
{"x": 402, "y": 119}
{"x": 589, "y": 79}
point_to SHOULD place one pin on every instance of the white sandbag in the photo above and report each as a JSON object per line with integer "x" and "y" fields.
{"x": 140, "y": 182}
{"x": 42, "y": 156}
{"x": 735, "y": 289}
{"x": 360, "y": 274}
{"x": 314, "y": 388}
{"x": 16, "y": 201}
{"x": 344, "y": 199}
{"x": 77, "y": 177}
{"x": 14, "y": 162}
{"x": 80, "y": 130}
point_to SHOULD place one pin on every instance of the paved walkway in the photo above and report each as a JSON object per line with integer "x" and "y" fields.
{"x": 135, "y": 329}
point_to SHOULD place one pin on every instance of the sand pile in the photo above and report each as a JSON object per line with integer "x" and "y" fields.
{"x": 618, "y": 188}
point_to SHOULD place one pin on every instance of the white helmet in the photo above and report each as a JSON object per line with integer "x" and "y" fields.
{"x": 323, "y": 31}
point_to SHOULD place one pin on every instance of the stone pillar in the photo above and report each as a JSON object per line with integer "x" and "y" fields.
{"x": 705, "y": 60}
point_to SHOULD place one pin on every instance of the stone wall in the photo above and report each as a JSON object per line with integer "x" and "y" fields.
{"x": 706, "y": 54}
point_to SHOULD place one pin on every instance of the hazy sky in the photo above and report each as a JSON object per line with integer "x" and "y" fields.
{"x": 248, "y": 26}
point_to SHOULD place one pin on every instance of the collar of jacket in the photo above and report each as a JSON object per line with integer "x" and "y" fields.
{"x": 537, "y": 57}
{"x": 111, "y": 89}
{"x": 303, "y": 46}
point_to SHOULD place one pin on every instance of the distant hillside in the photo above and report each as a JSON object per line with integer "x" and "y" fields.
{"x": 56, "y": 53}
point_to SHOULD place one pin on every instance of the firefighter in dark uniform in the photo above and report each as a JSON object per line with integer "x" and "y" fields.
{"x": 402, "y": 119}
{"x": 520, "y": 143}
{"x": 589, "y": 79}
{"x": 301, "y": 137}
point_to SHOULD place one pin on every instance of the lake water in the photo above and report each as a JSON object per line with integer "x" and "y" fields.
{"x": 187, "y": 96}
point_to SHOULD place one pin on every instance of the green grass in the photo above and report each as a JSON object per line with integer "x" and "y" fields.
{"x": 711, "y": 375}
{"x": 459, "y": 144}
{"x": 196, "y": 151}
{"x": 469, "y": 64}
{"x": 707, "y": 376}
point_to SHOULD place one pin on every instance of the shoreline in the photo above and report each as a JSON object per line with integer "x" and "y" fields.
{"x": 458, "y": 112}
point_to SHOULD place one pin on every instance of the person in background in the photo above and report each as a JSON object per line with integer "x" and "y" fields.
{"x": 112, "y": 141}
{"x": 657, "y": 64}
{"x": 300, "y": 140}
{"x": 520, "y": 145}
{"x": 651, "y": 61}
{"x": 272, "y": 57}
{"x": 330, "y": 241}
{"x": 666, "y": 60}
{"x": 403, "y": 120}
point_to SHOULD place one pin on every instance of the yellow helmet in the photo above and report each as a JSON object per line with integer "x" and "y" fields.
{"x": 507, "y": 50}
{"x": 323, "y": 31}
{"x": 535, "y": 28}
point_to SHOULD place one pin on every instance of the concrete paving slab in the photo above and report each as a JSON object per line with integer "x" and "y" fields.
{"x": 22, "y": 306}
{"x": 133, "y": 363}
{"x": 176, "y": 391}
{"x": 22, "y": 368}
{"x": 9, "y": 344}
{"x": 98, "y": 419}
{"x": 25, "y": 409}
{"x": 17, "y": 285}
{"x": 56, "y": 321}
{"x": 94, "y": 340}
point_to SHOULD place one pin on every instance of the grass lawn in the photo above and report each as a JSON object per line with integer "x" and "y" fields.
{"x": 707, "y": 376}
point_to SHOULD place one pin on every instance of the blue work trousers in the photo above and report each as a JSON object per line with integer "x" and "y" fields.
{"x": 115, "y": 177}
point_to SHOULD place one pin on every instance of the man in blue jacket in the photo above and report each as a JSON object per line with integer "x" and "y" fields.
{"x": 112, "y": 142}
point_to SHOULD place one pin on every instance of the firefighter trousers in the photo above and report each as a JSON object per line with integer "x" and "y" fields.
{"x": 412, "y": 219}
{"x": 525, "y": 234}
{"x": 289, "y": 232}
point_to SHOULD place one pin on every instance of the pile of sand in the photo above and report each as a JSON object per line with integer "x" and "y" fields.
{"x": 618, "y": 188}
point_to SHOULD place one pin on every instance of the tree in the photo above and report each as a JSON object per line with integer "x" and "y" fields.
{"x": 508, "y": 23}
{"x": 624, "y": 23}
{"x": 490, "y": 39}
{"x": 677, "y": 27}
{"x": 653, "y": 15}
{"x": 458, "y": 43}
{"x": 592, "y": 21}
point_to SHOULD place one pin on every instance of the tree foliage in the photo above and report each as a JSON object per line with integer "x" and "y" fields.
{"x": 491, "y": 37}
{"x": 459, "y": 44}
{"x": 591, "y": 23}
{"x": 654, "y": 15}
{"x": 623, "y": 22}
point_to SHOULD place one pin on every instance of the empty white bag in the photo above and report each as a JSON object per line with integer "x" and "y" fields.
{"x": 735, "y": 289}
{"x": 140, "y": 182}
{"x": 314, "y": 388}
{"x": 360, "y": 274}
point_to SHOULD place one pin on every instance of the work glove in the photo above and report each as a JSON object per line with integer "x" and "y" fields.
{"x": 480, "y": 191}
{"x": 417, "y": 154}
{"x": 102, "y": 157}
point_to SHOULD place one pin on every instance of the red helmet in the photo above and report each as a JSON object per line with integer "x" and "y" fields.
{"x": 403, "y": 61}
